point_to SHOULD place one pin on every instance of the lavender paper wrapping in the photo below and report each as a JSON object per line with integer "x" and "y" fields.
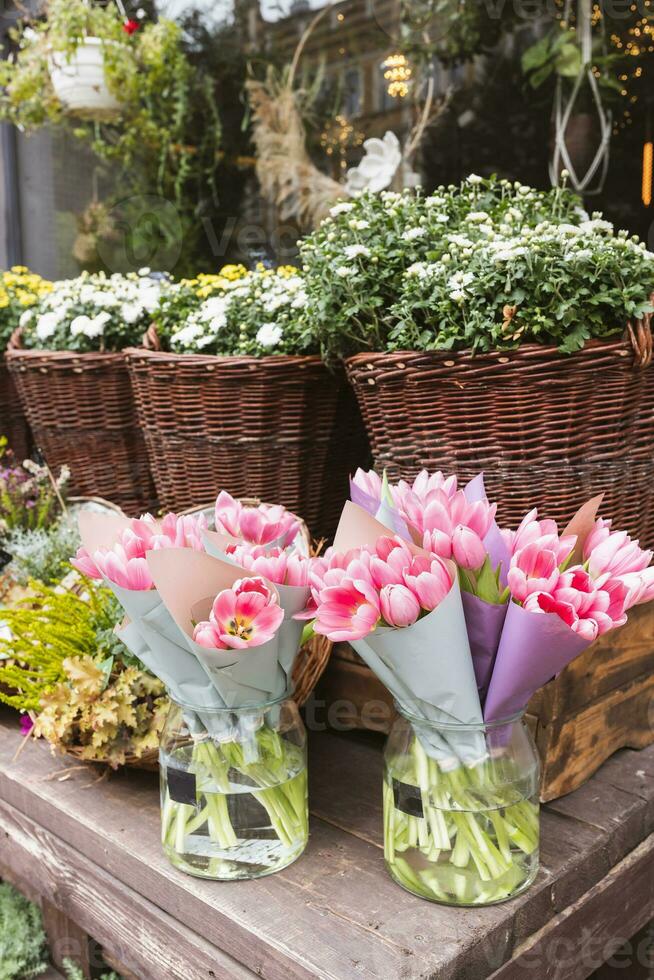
{"x": 484, "y": 621}
{"x": 534, "y": 648}
{"x": 494, "y": 543}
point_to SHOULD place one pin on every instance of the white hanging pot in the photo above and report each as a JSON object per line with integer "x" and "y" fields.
{"x": 79, "y": 82}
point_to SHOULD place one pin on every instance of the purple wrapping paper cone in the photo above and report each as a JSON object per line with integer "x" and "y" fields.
{"x": 484, "y": 622}
{"x": 384, "y": 513}
{"x": 493, "y": 542}
{"x": 534, "y": 648}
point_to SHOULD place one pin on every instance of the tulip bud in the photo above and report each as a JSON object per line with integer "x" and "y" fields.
{"x": 399, "y": 606}
{"x": 467, "y": 548}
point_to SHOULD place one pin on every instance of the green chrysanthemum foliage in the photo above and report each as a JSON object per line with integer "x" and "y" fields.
{"x": 487, "y": 265}
{"x": 22, "y": 939}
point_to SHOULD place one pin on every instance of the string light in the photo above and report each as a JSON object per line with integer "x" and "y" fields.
{"x": 397, "y": 72}
{"x": 648, "y": 160}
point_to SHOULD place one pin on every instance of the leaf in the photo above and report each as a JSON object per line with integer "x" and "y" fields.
{"x": 536, "y": 56}
{"x": 487, "y": 583}
{"x": 541, "y": 76}
{"x": 569, "y": 62}
{"x": 106, "y": 666}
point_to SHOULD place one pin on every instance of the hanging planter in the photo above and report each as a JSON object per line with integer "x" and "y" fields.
{"x": 581, "y": 121}
{"x": 79, "y": 81}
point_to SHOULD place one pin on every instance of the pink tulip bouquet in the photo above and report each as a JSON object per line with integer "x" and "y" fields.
{"x": 287, "y": 570}
{"x": 463, "y": 621}
{"x": 533, "y": 598}
{"x": 231, "y": 623}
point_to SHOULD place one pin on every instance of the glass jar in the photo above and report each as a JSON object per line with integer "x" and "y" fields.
{"x": 461, "y": 832}
{"x": 233, "y": 789}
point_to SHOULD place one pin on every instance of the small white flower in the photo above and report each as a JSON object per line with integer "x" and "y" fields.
{"x": 80, "y": 325}
{"x": 145, "y": 271}
{"x": 359, "y": 224}
{"x": 478, "y": 217}
{"x": 475, "y": 179}
{"x": 25, "y": 318}
{"x": 411, "y": 234}
{"x": 269, "y": 335}
{"x": 95, "y": 326}
{"x": 341, "y": 208}
{"x": 458, "y": 296}
{"x": 344, "y": 271}
{"x": 130, "y": 312}
{"x": 47, "y": 324}
{"x": 149, "y": 298}
{"x": 354, "y": 251}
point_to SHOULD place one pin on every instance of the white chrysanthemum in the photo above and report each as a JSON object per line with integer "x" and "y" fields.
{"x": 269, "y": 334}
{"x": 356, "y": 251}
{"x": 46, "y": 325}
{"x": 412, "y": 234}
{"x": 344, "y": 271}
{"x": 341, "y": 208}
{"x": 130, "y": 312}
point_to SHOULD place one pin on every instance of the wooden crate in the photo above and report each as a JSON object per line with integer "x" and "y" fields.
{"x": 602, "y": 702}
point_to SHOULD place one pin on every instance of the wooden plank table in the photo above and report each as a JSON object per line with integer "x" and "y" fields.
{"x": 90, "y": 851}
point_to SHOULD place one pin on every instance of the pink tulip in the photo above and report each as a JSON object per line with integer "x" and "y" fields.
{"x": 639, "y": 586}
{"x": 429, "y": 580}
{"x": 135, "y": 546}
{"x": 247, "y": 615}
{"x": 276, "y": 565}
{"x": 264, "y": 524}
{"x": 399, "y": 606}
{"x": 618, "y": 554}
{"x": 206, "y": 635}
{"x": 541, "y": 602}
{"x": 128, "y": 573}
{"x": 348, "y": 611}
{"x": 600, "y": 532}
{"x": 438, "y": 543}
{"x": 545, "y": 532}
{"x": 368, "y": 481}
{"x": 467, "y": 548}
{"x": 85, "y": 564}
{"x": 532, "y": 570}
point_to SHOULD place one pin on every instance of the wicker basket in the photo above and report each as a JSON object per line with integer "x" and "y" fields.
{"x": 280, "y": 428}
{"x": 81, "y": 411}
{"x": 149, "y": 761}
{"x": 547, "y": 429}
{"x": 13, "y": 423}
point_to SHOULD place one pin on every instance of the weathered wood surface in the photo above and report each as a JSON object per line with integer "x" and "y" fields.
{"x": 592, "y": 929}
{"x": 93, "y": 850}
